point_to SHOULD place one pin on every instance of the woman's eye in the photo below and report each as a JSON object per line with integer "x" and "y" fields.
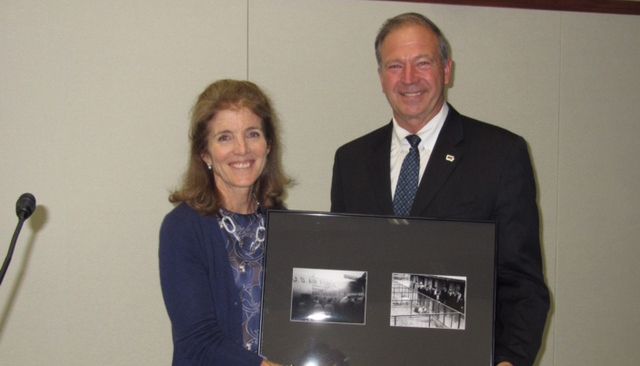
{"x": 223, "y": 138}
{"x": 254, "y": 134}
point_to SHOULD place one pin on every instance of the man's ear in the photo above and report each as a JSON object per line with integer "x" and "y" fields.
{"x": 448, "y": 73}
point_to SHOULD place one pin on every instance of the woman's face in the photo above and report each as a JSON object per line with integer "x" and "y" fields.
{"x": 236, "y": 150}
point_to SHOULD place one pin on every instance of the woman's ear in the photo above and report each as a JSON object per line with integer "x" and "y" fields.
{"x": 206, "y": 159}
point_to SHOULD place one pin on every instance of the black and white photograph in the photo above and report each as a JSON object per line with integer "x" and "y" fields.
{"x": 428, "y": 301}
{"x": 328, "y": 296}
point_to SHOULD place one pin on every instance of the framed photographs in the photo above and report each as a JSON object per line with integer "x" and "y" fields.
{"x": 362, "y": 290}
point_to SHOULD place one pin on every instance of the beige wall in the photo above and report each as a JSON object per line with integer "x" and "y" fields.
{"x": 94, "y": 102}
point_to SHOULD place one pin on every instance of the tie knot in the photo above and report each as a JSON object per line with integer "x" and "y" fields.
{"x": 414, "y": 140}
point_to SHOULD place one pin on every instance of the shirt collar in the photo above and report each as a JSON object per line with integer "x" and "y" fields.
{"x": 428, "y": 133}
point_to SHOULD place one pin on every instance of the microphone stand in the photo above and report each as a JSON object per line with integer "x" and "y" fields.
{"x": 12, "y": 246}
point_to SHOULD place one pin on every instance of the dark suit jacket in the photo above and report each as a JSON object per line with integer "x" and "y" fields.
{"x": 199, "y": 292}
{"x": 477, "y": 172}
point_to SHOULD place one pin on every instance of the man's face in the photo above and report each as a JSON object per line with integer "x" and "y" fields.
{"x": 413, "y": 76}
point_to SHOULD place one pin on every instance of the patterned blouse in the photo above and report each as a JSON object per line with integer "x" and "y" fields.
{"x": 245, "y": 235}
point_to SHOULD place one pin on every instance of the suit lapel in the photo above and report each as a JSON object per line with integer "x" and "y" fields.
{"x": 379, "y": 170}
{"x": 446, "y": 155}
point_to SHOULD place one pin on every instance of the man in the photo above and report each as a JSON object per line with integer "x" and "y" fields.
{"x": 466, "y": 169}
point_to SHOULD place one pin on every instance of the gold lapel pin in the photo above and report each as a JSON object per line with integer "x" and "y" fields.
{"x": 450, "y": 158}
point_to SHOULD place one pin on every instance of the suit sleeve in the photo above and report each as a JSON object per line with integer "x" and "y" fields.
{"x": 198, "y": 335}
{"x": 337, "y": 193}
{"x": 522, "y": 298}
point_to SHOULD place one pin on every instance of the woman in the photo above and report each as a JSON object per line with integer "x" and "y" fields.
{"x": 212, "y": 243}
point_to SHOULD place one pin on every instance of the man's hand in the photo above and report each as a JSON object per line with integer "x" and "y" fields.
{"x": 269, "y": 363}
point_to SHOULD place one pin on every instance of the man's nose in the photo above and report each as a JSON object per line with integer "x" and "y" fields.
{"x": 408, "y": 74}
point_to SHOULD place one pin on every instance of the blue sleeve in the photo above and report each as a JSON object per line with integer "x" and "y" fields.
{"x": 199, "y": 336}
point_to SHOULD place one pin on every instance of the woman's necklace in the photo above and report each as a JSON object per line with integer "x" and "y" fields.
{"x": 247, "y": 244}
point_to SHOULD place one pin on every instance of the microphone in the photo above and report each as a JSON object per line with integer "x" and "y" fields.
{"x": 25, "y": 206}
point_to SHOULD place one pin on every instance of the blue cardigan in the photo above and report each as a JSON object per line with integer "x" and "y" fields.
{"x": 199, "y": 292}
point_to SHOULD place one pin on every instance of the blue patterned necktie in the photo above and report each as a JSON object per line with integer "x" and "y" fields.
{"x": 408, "y": 180}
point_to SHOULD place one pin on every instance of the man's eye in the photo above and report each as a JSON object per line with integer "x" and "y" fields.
{"x": 424, "y": 64}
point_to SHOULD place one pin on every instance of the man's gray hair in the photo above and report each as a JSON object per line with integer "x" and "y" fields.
{"x": 401, "y": 20}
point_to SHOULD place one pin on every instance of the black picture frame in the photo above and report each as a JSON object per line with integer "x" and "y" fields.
{"x": 365, "y": 272}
